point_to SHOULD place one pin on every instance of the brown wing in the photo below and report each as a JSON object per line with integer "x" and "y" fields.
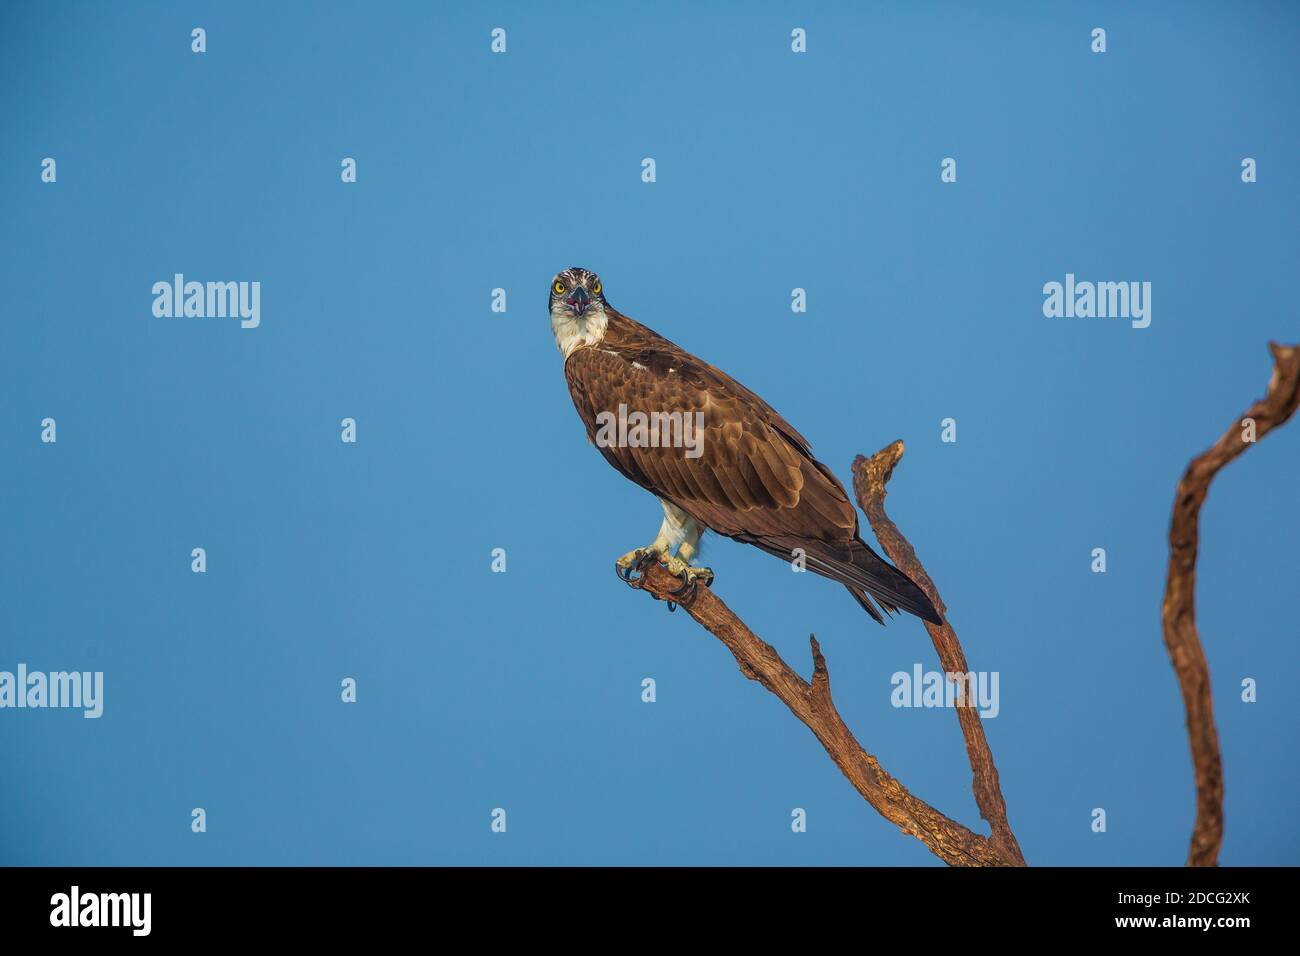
{"x": 753, "y": 478}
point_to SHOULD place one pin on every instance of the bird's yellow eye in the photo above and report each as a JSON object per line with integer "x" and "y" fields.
{"x": 595, "y": 289}
{"x": 558, "y": 287}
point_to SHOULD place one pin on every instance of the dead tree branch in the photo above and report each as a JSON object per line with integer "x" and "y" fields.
{"x": 870, "y": 476}
{"x": 812, "y": 704}
{"x": 1178, "y": 614}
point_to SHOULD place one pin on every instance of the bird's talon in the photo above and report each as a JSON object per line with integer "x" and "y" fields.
{"x": 631, "y": 568}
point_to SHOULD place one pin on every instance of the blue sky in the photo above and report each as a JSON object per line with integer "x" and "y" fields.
{"x": 775, "y": 170}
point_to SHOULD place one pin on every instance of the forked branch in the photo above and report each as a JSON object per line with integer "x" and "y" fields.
{"x": 811, "y": 701}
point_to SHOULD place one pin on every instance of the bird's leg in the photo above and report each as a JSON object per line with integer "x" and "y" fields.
{"x": 681, "y": 564}
{"x": 686, "y": 553}
{"x": 678, "y": 532}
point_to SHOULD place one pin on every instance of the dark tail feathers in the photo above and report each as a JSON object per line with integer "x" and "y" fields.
{"x": 866, "y": 575}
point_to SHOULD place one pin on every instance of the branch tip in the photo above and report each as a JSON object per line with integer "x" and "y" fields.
{"x": 821, "y": 680}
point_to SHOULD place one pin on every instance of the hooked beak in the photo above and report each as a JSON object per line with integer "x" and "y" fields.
{"x": 579, "y": 300}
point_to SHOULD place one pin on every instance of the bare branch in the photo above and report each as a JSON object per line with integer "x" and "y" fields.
{"x": 870, "y": 476}
{"x": 812, "y": 704}
{"x": 1178, "y": 614}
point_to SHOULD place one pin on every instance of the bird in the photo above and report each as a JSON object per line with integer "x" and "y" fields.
{"x": 716, "y": 455}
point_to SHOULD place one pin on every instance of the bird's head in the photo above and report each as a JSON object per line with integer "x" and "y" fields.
{"x": 576, "y": 294}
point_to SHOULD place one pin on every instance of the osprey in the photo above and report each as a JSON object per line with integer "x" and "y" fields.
{"x": 717, "y": 456}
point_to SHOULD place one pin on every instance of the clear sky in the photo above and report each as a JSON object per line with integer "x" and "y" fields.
{"x": 774, "y": 170}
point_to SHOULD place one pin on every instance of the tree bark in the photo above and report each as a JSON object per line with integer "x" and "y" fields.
{"x": 870, "y": 476}
{"x": 1178, "y": 614}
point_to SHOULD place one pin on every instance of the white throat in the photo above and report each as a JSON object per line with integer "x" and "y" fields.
{"x": 572, "y": 332}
